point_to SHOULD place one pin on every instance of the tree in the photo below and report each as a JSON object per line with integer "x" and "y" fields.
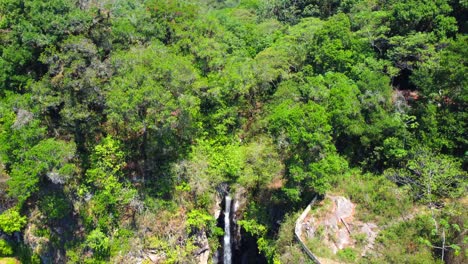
{"x": 344, "y": 105}
{"x": 422, "y": 16}
{"x": 442, "y": 81}
{"x": 30, "y": 27}
{"x": 51, "y": 158}
{"x": 432, "y": 177}
{"x": 262, "y": 165}
{"x": 20, "y": 127}
{"x": 150, "y": 97}
{"x": 105, "y": 184}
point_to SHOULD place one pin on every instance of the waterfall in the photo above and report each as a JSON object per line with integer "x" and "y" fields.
{"x": 227, "y": 232}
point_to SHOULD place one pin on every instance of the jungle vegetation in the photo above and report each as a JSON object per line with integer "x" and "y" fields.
{"x": 120, "y": 119}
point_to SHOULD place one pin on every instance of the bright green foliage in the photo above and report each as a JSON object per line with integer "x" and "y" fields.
{"x": 325, "y": 172}
{"x": 259, "y": 231}
{"x": 397, "y": 243}
{"x": 107, "y": 157}
{"x": 332, "y": 46}
{"x": 377, "y": 198}
{"x": 11, "y": 221}
{"x": 225, "y": 161}
{"x": 5, "y": 248}
{"x": 104, "y": 178}
{"x": 98, "y": 243}
{"x": 344, "y": 105}
{"x": 201, "y": 221}
{"x": 253, "y": 227}
{"x": 303, "y": 126}
{"x": 173, "y": 254}
{"x": 348, "y": 255}
{"x": 262, "y": 164}
{"x": 133, "y": 116}
{"x": 303, "y": 133}
{"x": 121, "y": 241}
{"x": 393, "y": 150}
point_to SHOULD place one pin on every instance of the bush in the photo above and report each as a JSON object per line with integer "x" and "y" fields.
{"x": 361, "y": 239}
{"x": 399, "y": 242}
{"x": 98, "y": 242}
{"x": 11, "y": 221}
{"x": 377, "y": 197}
{"x": 5, "y": 248}
{"x": 347, "y": 255}
{"x": 54, "y": 206}
{"x": 200, "y": 220}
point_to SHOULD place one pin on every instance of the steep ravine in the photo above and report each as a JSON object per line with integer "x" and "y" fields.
{"x": 237, "y": 246}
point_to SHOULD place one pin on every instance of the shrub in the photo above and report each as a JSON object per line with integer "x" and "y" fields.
{"x": 54, "y": 206}
{"x": 377, "y": 198}
{"x": 5, "y": 248}
{"x": 11, "y": 221}
{"x": 361, "y": 239}
{"x": 347, "y": 255}
{"x": 200, "y": 220}
{"x": 98, "y": 242}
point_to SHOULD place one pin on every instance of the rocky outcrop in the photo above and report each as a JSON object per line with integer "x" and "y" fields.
{"x": 38, "y": 244}
{"x": 238, "y": 208}
{"x": 202, "y": 254}
{"x": 337, "y": 226}
{"x": 298, "y": 232}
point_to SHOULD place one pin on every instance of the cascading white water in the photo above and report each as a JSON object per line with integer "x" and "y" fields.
{"x": 227, "y": 232}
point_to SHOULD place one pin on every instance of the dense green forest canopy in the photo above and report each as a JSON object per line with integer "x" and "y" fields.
{"x": 121, "y": 119}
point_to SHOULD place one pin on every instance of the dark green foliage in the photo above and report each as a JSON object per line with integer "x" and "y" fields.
{"x": 49, "y": 159}
{"x": 54, "y": 206}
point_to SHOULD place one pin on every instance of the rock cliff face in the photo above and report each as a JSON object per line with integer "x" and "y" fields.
{"x": 202, "y": 255}
{"x": 239, "y": 204}
{"x": 217, "y": 206}
{"x": 39, "y": 245}
{"x": 244, "y": 247}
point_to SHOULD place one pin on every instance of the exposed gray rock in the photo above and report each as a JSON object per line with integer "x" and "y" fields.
{"x": 217, "y": 206}
{"x": 203, "y": 253}
{"x": 371, "y": 231}
{"x": 339, "y": 226}
{"x": 23, "y": 117}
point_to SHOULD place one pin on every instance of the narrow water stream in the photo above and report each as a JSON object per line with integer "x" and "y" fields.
{"x": 237, "y": 246}
{"x": 227, "y": 232}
